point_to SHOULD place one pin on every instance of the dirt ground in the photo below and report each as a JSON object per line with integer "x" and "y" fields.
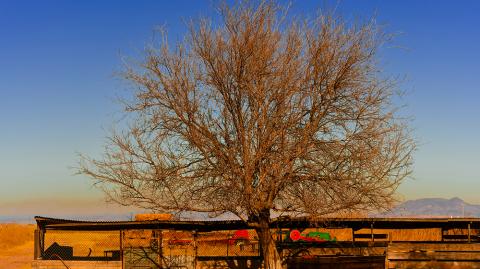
{"x": 16, "y": 246}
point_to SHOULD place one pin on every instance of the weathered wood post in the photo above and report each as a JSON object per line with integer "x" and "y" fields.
{"x": 39, "y": 243}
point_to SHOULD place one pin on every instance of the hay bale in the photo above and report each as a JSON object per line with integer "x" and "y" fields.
{"x": 146, "y": 217}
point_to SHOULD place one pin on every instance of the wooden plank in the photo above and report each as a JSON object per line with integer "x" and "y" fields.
{"x": 369, "y": 236}
{"x": 451, "y": 246}
{"x": 434, "y": 264}
{"x": 358, "y": 251}
{"x": 434, "y": 255}
{"x": 339, "y": 244}
{"x": 337, "y": 262}
{"x": 223, "y": 258}
{"x": 460, "y": 237}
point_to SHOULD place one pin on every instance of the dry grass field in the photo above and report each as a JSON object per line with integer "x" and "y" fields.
{"x": 16, "y": 245}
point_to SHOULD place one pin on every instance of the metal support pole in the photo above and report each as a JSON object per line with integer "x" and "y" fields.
{"x": 469, "y": 233}
{"x": 121, "y": 247}
{"x": 195, "y": 248}
{"x": 371, "y": 232}
{"x": 160, "y": 247}
{"x": 227, "y": 243}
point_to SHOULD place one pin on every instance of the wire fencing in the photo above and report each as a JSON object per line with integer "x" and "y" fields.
{"x": 82, "y": 245}
{"x": 154, "y": 248}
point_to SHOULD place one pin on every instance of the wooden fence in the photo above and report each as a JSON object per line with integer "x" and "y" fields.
{"x": 433, "y": 255}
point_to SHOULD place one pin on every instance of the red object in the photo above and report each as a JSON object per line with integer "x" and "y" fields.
{"x": 239, "y": 235}
{"x": 312, "y": 239}
{"x": 295, "y": 235}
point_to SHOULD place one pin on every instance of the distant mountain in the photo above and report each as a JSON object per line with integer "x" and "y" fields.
{"x": 435, "y": 207}
{"x": 31, "y": 219}
{"x": 16, "y": 219}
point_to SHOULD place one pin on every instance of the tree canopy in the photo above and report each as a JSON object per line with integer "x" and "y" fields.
{"x": 260, "y": 114}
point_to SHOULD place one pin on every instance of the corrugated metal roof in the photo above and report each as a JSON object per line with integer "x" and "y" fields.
{"x": 212, "y": 225}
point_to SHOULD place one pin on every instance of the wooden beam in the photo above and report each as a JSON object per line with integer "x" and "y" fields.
{"x": 370, "y": 236}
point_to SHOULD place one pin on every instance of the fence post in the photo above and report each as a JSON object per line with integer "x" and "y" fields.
{"x": 371, "y": 232}
{"x": 121, "y": 247}
{"x": 469, "y": 233}
{"x": 160, "y": 247}
{"x": 228, "y": 241}
{"x": 36, "y": 243}
{"x": 195, "y": 249}
{"x": 41, "y": 243}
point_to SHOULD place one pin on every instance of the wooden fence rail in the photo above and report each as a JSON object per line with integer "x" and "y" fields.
{"x": 433, "y": 255}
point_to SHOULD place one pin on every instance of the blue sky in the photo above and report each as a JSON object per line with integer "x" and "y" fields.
{"x": 58, "y": 89}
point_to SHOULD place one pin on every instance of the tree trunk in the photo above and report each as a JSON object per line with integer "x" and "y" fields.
{"x": 271, "y": 257}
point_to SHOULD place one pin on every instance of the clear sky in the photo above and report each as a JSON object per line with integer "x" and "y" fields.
{"x": 58, "y": 89}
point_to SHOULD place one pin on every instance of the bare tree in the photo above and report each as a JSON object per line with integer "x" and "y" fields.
{"x": 260, "y": 115}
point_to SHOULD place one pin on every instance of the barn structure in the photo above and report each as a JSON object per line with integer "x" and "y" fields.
{"x": 348, "y": 243}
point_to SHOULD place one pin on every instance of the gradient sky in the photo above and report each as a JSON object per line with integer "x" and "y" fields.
{"x": 58, "y": 89}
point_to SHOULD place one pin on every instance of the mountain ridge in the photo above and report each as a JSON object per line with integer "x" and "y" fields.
{"x": 435, "y": 207}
